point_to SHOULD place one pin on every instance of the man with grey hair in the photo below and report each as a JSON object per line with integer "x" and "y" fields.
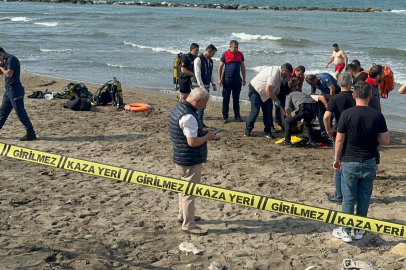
{"x": 359, "y": 131}
{"x": 336, "y": 105}
{"x": 189, "y": 151}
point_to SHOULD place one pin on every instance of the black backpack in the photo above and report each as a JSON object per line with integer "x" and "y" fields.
{"x": 75, "y": 89}
{"x": 110, "y": 92}
{"x": 77, "y": 103}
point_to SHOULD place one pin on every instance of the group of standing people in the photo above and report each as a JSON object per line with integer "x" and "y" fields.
{"x": 197, "y": 71}
{"x": 359, "y": 126}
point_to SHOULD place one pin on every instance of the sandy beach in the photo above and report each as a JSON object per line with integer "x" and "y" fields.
{"x": 58, "y": 219}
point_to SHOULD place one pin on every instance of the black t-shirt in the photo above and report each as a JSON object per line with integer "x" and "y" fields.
{"x": 186, "y": 61}
{"x": 361, "y": 77}
{"x": 361, "y": 126}
{"x": 340, "y": 102}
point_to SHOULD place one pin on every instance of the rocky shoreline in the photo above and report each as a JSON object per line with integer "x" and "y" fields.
{"x": 209, "y": 5}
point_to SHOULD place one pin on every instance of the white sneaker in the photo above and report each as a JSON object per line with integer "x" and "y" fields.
{"x": 358, "y": 234}
{"x": 343, "y": 235}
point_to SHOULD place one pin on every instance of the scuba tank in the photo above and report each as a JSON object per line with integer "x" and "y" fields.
{"x": 177, "y": 74}
{"x": 176, "y": 68}
{"x": 119, "y": 95}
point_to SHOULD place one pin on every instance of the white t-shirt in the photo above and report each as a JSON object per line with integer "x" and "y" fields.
{"x": 198, "y": 75}
{"x": 189, "y": 125}
{"x": 271, "y": 76}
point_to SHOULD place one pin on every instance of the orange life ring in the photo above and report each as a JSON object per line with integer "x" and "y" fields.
{"x": 137, "y": 107}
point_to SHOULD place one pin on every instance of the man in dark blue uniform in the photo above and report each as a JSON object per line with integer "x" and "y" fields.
{"x": 14, "y": 95}
{"x": 326, "y": 83}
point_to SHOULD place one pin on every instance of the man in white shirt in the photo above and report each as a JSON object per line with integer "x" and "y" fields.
{"x": 262, "y": 94}
{"x": 204, "y": 76}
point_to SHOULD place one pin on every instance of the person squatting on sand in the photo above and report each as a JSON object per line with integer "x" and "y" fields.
{"x": 186, "y": 70}
{"x": 189, "y": 151}
{"x": 233, "y": 62}
{"x": 14, "y": 95}
{"x": 340, "y": 60}
{"x": 204, "y": 75}
{"x": 263, "y": 89}
{"x": 300, "y": 106}
{"x": 336, "y": 105}
{"x": 359, "y": 130}
{"x": 286, "y": 87}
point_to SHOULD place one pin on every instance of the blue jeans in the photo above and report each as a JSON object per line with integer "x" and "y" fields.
{"x": 337, "y": 178}
{"x": 14, "y": 98}
{"x": 357, "y": 182}
{"x": 256, "y": 104}
{"x": 320, "y": 118}
{"x": 200, "y": 114}
{"x": 231, "y": 86}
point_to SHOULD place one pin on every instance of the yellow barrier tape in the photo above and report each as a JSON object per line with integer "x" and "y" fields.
{"x": 204, "y": 191}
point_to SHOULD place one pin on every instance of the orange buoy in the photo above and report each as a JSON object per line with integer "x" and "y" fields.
{"x": 137, "y": 107}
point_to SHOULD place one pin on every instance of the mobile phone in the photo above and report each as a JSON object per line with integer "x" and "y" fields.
{"x": 216, "y": 131}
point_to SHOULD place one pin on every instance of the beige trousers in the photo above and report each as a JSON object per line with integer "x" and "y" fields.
{"x": 187, "y": 202}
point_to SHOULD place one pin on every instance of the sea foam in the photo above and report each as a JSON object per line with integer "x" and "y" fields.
{"x": 50, "y": 24}
{"x": 20, "y": 19}
{"x": 245, "y": 36}
{"x": 55, "y": 50}
{"x": 154, "y": 49}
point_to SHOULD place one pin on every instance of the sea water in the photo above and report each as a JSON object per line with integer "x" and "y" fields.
{"x": 137, "y": 44}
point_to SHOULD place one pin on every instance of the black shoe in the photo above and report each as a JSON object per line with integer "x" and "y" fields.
{"x": 204, "y": 126}
{"x": 238, "y": 119}
{"x": 287, "y": 144}
{"x": 247, "y": 133}
{"x": 269, "y": 136}
{"x": 29, "y": 137}
{"x": 225, "y": 120}
{"x": 334, "y": 199}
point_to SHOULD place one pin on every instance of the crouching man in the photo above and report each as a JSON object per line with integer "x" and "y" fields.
{"x": 300, "y": 106}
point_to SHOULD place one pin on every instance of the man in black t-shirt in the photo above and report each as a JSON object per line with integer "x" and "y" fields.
{"x": 336, "y": 105}
{"x": 359, "y": 130}
{"x": 186, "y": 70}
